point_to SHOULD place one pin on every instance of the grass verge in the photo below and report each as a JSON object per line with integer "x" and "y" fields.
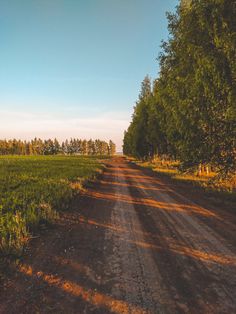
{"x": 218, "y": 192}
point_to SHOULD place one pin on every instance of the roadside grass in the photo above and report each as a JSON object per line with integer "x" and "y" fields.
{"x": 32, "y": 191}
{"x": 218, "y": 191}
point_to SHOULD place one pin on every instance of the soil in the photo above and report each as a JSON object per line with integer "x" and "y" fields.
{"x": 132, "y": 243}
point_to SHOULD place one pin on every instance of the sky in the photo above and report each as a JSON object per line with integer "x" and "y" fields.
{"x": 73, "y": 68}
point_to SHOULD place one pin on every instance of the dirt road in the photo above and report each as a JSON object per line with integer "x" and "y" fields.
{"x": 131, "y": 244}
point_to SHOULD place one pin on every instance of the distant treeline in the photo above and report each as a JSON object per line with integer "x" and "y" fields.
{"x": 38, "y": 146}
{"x": 189, "y": 112}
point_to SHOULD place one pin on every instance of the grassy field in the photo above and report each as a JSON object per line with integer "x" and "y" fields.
{"x": 33, "y": 189}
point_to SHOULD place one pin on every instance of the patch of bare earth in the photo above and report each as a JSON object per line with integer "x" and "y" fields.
{"x": 130, "y": 244}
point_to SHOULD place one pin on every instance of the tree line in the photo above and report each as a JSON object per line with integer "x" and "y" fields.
{"x": 38, "y": 146}
{"x": 189, "y": 112}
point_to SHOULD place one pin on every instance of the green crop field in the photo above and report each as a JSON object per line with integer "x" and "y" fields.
{"x": 33, "y": 189}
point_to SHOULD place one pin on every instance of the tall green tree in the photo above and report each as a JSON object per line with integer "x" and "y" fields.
{"x": 198, "y": 82}
{"x": 191, "y": 112}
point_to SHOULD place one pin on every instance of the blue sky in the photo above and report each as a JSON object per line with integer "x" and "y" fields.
{"x": 73, "y": 68}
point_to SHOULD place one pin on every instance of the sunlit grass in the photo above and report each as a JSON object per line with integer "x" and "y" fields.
{"x": 217, "y": 188}
{"x": 171, "y": 168}
{"x": 33, "y": 189}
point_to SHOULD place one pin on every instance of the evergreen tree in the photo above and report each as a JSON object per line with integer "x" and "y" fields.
{"x": 191, "y": 114}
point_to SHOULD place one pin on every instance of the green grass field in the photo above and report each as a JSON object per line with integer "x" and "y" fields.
{"x": 33, "y": 189}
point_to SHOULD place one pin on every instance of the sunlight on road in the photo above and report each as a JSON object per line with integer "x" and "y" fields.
{"x": 88, "y": 295}
{"x": 190, "y": 209}
{"x": 175, "y": 248}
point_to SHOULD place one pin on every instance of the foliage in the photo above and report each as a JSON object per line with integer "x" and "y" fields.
{"x": 32, "y": 189}
{"x": 52, "y": 147}
{"x": 190, "y": 113}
